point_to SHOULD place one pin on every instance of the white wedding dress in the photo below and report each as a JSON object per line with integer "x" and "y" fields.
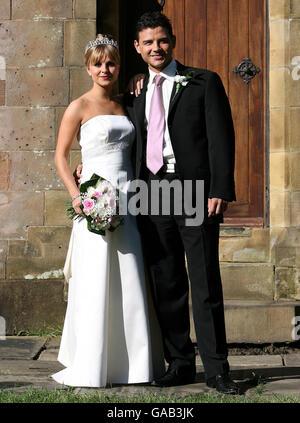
{"x": 106, "y": 336}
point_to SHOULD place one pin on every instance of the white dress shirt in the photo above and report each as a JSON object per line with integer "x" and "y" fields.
{"x": 167, "y": 86}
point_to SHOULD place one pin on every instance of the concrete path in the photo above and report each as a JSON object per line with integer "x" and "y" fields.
{"x": 29, "y": 361}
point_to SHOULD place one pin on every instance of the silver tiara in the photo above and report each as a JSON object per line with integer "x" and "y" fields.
{"x": 100, "y": 41}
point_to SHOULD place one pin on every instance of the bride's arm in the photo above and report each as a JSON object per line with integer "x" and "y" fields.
{"x": 69, "y": 127}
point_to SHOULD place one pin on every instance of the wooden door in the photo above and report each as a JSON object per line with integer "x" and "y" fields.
{"x": 217, "y": 35}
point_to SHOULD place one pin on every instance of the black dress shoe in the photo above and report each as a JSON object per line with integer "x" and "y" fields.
{"x": 223, "y": 384}
{"x": 176, "y": 376}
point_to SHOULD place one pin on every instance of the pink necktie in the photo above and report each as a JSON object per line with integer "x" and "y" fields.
{"x": 156, "y": 128}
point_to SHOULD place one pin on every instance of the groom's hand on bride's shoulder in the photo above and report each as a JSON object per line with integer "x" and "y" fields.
{"x": 136, "y": 84}
{"x": 77, "y": 174}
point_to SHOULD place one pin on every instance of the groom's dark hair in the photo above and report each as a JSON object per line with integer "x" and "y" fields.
{"x": 153, "y": 20}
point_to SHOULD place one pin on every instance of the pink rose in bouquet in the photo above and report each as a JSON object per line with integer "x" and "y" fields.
{"x": 100, "y": 205}
{"x": 88, "y": 203}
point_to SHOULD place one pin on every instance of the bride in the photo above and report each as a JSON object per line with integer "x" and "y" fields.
{"x": 106, "y": 334}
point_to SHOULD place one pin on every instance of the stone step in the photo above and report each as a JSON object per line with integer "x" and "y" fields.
{"x": 33, "y": 368}
{"x": 259, "y": 321}
{"x": 21, "y": 347}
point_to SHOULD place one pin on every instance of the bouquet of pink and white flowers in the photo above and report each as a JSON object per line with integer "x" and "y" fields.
{"x": 99, "y": 205}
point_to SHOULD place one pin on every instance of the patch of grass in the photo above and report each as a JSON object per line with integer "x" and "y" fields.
{"x": 45, "y": 330}
{"x": 35, "y": 395}
{"x": 259, "y": 382}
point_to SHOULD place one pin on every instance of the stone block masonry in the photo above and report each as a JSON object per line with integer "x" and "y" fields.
{"x": 41, "y": 71}
{"x": 5, "y": 9}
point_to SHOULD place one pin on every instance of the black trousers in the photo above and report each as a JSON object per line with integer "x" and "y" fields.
{"x": 166, "y": 240}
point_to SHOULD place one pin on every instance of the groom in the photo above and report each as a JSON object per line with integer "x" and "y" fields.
{"x": 184, "y": 132}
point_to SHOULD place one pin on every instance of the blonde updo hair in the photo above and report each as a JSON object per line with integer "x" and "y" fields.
{"x": 97, "y": 53}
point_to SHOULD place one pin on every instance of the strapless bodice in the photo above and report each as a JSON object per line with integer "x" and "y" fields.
{"x": 106, "y": 142}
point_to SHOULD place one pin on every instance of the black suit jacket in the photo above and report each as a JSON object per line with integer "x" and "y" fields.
{"x": 201, "y": 131}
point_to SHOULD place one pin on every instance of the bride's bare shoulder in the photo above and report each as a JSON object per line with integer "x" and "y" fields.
{"x": 77, "y": 108}
{"x": 80, "y": 103}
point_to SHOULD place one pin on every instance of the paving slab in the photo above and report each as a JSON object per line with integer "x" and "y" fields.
{"x": 255, "y": 361}
{"x": 51, "y": 349}
{"x": 49, "y": 355}
{"x": 21, "y": 347}
{"x": 34, "y": 368}
{"x": 19, "y": 375}
{"x": 23, "y": 383}
{"x": 292, "y": 360}
{"x": 53, "y": 343}
{"x": 286, "y": 386}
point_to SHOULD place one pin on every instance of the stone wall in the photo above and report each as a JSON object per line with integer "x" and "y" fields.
{"x": 284, "y": 157}
{"x": 41, "y": 70}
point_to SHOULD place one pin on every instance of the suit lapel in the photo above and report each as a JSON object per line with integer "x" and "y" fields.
{"x": 140, "y": 101}
{"x": 173, "y": 92}
{"x": 181, "y": 70}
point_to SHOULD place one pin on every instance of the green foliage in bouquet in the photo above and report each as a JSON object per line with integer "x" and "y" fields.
{"x": 99, "y": 217}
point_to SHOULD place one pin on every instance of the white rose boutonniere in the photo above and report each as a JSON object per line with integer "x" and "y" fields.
{"x": 182, "y": 80}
